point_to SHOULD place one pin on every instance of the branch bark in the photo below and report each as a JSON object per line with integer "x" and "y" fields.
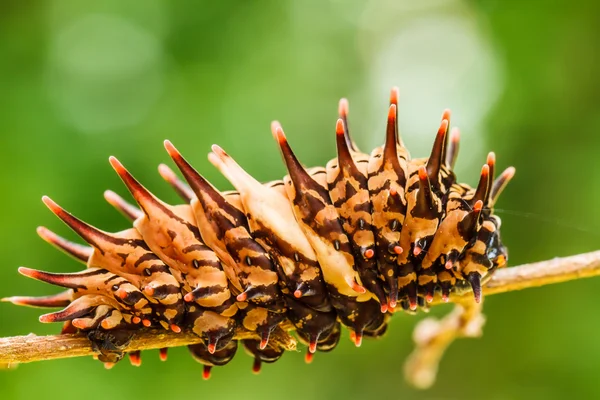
{"x": 30, "y": 348}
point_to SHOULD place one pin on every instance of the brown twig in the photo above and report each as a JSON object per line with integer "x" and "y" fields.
{"x": 30, "y": 348}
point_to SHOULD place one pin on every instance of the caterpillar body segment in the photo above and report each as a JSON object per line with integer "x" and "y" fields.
{"x": 320, "y": 222}
{"x": 227, "y": 228}
{"x": 172, "y": 234}
{"x": 98, "y": 307}
{"x": 125, "y": 254}
{"x": 98, "y": 281}
{"x": 387, "y": 176}
{"x": 273, "y": 225}
{"x": 347, "y": 183}
{"x": 217, "y": 330}
{"x": 345, "y": 244}
{"x": 312, "y": 327}
{"x": 260, "y": 320}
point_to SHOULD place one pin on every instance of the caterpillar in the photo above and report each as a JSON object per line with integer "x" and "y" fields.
{"x": 345, "y": 244}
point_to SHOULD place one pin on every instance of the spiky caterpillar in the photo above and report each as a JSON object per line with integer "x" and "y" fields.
{"x": 344, "y": 244}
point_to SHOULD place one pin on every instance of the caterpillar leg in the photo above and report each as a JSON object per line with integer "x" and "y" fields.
{"x": 110, "y": 343}
{"x": 262, "y": 321}
{"x": 313, "y": 327}
{"x": 172, "y": 234}
{"x": 201, "y": 354}
{"x": 225, "y": 229}
{"x": 326, "y": 343}
{"x": 274, "y": 227}
{"x": 216, "y": 330}
{"x": 261, "y": 354}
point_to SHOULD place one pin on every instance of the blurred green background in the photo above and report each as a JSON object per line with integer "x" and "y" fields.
{"x": 80, "y": 82}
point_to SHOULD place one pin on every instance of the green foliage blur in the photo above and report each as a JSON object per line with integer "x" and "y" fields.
{"x": 84, "y": 80}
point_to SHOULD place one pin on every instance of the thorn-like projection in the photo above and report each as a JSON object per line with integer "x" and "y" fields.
{"x": 356, "y": 287}
{"x": 449, "y": 264}
{"x": 481, "y": 193}
{"x": 61, "y": 299}
{"x": 343, "y": 108}
{"x": 491, "y": 163}
{"x": 177, "y": 184}
{"x": 90, "y": 234}
{"x": 212, "y": 345}
{"x": 69, "y": 280}
{"x": 445, "y": 295}
{"x": 396, "y": 249}
{"x": 297, "y": 172}
{"x": 393, "y": 295}
{"x": 468, "y": 226}
{"x": 312, "y": 346}
{"x": 75, "y": 250}
{"x": 453, "y": 148}
{"x": 142, "y": 196}
{"x": 201, "y": 292}
{"x": 394, "y": 95}
{"x": 80, "y": 307}
{"x": 417, "y": 249}
{"x": 130, "y": 211}
{"x": 434, "y": 163}
{"x": 345, "y": 160}
{"x": 390, "y": 150}
{"x": 500, "y": 183}
{"x": 264, "y": 338}
{"x": 242, "y": 296}
{"x": 411, "y": 292}
{"x": 474, "y": 280}
{"x": 163, "y": 352}
{"x": 303, "y": 290}
{"x": 425, "y": 203}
